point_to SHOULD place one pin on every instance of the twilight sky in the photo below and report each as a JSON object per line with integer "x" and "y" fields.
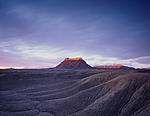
{"x": 41, "y": 33}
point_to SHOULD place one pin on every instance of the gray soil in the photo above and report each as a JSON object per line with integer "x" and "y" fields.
{"x": 48, "y": 92}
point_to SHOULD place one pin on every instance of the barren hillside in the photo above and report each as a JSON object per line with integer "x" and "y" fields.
{"x": 75, "y": 93}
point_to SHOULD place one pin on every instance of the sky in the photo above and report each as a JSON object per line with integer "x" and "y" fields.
{"x": 41, "y": 33}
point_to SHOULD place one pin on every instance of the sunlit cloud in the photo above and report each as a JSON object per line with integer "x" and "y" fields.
{"x": 99, "y": 60}
{"x": 51, "y": 56}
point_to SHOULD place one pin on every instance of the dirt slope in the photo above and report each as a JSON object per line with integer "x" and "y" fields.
{"x": 112, "y": 93}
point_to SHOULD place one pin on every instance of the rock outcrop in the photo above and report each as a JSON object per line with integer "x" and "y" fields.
{"x": 73, "y": 63}
{"x": 114, "y": 66}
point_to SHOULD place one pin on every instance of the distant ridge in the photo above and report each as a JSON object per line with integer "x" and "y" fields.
{"x": 79, "y": 63}
{"x": 114, "y": 66}
{"x": 73, "y": 63}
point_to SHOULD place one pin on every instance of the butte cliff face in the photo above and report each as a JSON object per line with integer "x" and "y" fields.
{"x": 73, "y": 63}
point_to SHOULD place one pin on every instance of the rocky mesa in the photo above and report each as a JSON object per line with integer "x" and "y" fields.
{"x": 73, "y": 63}
{"x": 114, "y": 66}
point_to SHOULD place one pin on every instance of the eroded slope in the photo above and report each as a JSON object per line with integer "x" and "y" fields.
{"x": 112, "y": 93}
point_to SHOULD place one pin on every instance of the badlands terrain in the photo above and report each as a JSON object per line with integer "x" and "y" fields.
{"x": 49, "y": 92}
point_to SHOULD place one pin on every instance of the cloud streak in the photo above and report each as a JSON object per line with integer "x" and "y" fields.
{"x": 46, "y": 56}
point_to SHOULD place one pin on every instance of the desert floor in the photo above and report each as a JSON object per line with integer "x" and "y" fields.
{"x": 47, "y": 92}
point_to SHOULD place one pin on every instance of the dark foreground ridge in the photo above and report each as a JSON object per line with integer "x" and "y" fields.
{"x": 74, "y": 93}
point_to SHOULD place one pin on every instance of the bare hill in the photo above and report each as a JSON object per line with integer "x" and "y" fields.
{"x": 107, "y": 93}
{"x": 73, "y": 63}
